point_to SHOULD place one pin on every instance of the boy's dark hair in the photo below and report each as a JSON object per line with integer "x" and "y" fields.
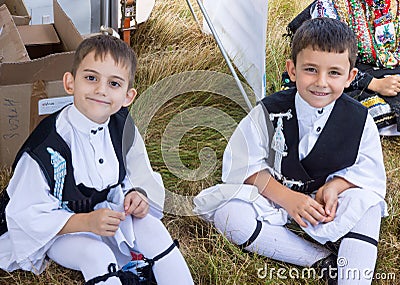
{"x": 325, "y": 34}
{"x": 103, "y": 45}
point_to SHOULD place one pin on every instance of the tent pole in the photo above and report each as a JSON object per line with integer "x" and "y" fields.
{"x": 104, "y": 13}
{"x": 114, "y": 21}
{"x": 224, "y": 54}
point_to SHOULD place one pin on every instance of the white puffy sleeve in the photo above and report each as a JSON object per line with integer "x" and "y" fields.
{"x": 140, "y": 174}
{"x": 248, "y": 148}
{"x": 33, "y": 215}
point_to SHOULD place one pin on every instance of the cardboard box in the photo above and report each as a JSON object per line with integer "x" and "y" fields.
{"x": 33, "y": 61}
{"x": 18, "y": 11}
{"x": 40, "y": 40}
{"x": 12, "y": 47}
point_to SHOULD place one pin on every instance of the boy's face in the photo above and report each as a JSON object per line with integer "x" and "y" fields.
{"x": 100, "y": 87}
{"x": 320, "y": 76}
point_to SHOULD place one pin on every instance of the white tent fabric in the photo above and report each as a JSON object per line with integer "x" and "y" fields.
{"x": 242, "y": 27}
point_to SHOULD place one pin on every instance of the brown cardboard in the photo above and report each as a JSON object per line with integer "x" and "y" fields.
{"x": 40, "y": 40}
{"x": 18, "y": 11}
{"x": 38, "y": 92}
{"x": 12, "y": 48}
{"x": 38, "y": 34}
{"x": 24, "y": 83}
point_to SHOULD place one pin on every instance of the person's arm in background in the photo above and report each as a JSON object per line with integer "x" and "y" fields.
{"x": 387, "y": 86}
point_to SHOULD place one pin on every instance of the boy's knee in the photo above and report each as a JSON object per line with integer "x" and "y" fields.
{"x": 150, "y": 232}
{"x": 237, "y": 220}
{"x": 234, "y": 213}
{"x": 148, "y": 224}
{"x": 95, "y": 252}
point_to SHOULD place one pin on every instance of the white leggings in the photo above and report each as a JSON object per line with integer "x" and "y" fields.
{"x": 357, "y": 255}
{"x": 237, "y": 220}
{"x": 87, "y": 253}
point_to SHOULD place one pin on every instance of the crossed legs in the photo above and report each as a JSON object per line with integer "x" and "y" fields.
{"x": 87, "y": 253}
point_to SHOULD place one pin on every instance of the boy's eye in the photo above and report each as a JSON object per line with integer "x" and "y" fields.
{"x": 310, "y": 69}
{"x": 334, "y": 72}
{"x": 115, "y": 84}
{"x": 90, "y": 78}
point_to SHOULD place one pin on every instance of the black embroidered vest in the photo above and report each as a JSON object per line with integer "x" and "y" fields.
{"x": 336, "y": 147}
{"x": 78, "y": 198}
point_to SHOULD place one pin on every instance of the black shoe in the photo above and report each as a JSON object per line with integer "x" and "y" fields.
{"x": 327, "y": 268}
{"x": 333, "y": 246}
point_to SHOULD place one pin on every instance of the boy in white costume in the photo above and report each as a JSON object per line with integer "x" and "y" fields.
{"x": 104, "y": 200}
{"x": 318, "y": 163}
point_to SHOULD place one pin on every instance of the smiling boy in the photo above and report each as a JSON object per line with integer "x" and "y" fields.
{"x": 318, "y": 163}
{"x": 83, "y": 192}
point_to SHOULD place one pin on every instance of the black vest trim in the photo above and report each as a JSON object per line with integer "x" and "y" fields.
{"x": 4, "y": 199}
{"x": 336, "y": 148}
{"x": 78, "y": 198}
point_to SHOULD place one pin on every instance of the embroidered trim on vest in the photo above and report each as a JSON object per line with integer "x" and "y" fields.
{"x": 278, "y": 140}
{"x": 60, "y": 170}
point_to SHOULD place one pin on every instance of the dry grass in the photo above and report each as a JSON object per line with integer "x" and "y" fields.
{"x": 170, "y": 43}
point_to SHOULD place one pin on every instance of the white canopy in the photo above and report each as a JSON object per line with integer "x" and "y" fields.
{"x": 242, "y": 27}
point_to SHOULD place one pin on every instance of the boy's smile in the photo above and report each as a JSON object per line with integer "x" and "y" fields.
{"x": 320, "y": 76}
{"x": 100, "y": 87}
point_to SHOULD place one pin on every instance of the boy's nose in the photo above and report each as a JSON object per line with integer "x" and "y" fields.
{"x": 101, "y": 88}
{"x": 321, "y": 81}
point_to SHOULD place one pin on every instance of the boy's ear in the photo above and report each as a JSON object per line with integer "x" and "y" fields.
{"x": 68, "y": 82}
{"x": 352, "y": 75}
{"x": 129, "y": 97}
{"x": 291, "y": 70}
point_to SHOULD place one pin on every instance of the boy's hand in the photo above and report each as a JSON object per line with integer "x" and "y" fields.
{"x": 104, "y": 222}
{"x": 136, "y": 204}
{"x": 300, "y": 206}
{"x": 327, "y": 195}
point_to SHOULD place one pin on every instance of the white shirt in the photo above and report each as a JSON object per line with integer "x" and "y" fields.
{"x": 33, "y": 215}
